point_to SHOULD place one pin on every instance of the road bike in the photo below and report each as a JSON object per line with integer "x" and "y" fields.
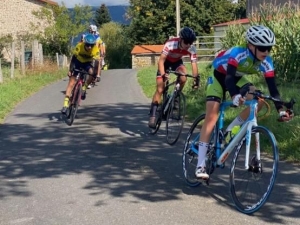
{"x": 172, "y": 109}
{"x": 75, "y": 97}
{"x": 253, "y": 171}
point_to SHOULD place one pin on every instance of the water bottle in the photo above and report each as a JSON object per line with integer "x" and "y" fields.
{"x": 235, "y": 130}
{"x": 232, "y": 133}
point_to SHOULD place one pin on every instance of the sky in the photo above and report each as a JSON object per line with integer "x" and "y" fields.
{"x": 72, "y": 3}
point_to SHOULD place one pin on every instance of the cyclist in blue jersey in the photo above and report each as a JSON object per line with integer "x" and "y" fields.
{"x": 230, "y": 70}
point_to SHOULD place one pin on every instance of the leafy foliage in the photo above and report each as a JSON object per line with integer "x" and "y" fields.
{"x": 153, "y": 22}
{"x": 284, "y": 21}
{"x": 102, "y": 15}
{"x": 234, "y": 36}
{"x": 62, "y": 26}
{"x": 117, "y": 45}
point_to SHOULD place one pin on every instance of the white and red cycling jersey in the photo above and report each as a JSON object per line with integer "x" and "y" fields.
{"x": 174, "y": 53}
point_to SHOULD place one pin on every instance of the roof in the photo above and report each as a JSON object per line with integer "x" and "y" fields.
{"x": 48, "y": 2}
{"x": 141, "y": 49}
{"x": 240, "y": 21}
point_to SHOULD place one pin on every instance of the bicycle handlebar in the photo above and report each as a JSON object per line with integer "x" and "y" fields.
{"x": 259, "y": 94}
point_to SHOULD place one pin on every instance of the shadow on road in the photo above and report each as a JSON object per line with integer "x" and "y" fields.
{"x": 111, "y": 144}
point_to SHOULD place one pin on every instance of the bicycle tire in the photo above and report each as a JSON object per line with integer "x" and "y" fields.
{"x": 160, "y": 111}
{"x": 75, "y": 103}
{"x": 175, "y": 115}
{"x": 245, "y": 201}
{"x": 190, "y": 153}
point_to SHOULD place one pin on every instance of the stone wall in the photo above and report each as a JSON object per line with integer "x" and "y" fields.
{"x": 144, "y": 60}
{"x": 16, "y": 16}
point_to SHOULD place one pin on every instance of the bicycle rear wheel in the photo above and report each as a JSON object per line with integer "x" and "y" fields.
{"x": 175, "y": 118}
{"x": 158, "y": 122}
{"x": 190, "y": 152}
{"x": 75, "y": 103}
{"x": 251, "y": 188}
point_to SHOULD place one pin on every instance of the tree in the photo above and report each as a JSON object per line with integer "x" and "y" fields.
{"x": 62, "y": 25}
{"x": 102, "y": 16}
{"x": 117, "y": 45}
{"x": 152, "y": 22}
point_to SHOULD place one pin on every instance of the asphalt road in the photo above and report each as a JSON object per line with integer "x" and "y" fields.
{"x": 106, "y": 169}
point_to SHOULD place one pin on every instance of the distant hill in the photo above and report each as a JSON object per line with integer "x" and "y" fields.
{"x": 117, "y": 13}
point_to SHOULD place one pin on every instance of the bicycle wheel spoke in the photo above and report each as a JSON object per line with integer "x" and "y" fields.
{"x": 251, "y": 188}
{"x": 175, "y": 119}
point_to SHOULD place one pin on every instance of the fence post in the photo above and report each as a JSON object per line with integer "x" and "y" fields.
{"x": 57, "y": 59}
{"x": 41, "y": 55}
{"x": 1, "y": 74}
{"x": 12, "y": 68}
{"x": 22, "y": 58}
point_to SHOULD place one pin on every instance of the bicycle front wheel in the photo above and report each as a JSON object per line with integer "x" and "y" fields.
{"x": 175, "y": 118}
{"x": 251, "y": 188}
{"x": 190, "y": 152}
{"x": 75, "y": 103}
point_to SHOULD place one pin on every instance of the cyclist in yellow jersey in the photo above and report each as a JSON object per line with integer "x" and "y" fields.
{"x": 86, "y": 56}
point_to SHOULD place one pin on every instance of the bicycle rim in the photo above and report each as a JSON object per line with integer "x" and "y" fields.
{"x": 250, "y": 189}
{"x": 175, "y": 119}
{"x": 190, "y": 152}
{"x": 75, "y": 104}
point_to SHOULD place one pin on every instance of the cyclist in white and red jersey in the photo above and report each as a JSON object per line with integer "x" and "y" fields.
{"x": 171, "y": 57}
{"x": 230, "y": 70}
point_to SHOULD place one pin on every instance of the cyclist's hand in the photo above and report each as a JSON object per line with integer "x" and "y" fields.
{"x": 285, "y": 116}
{"x": 238, "y": 100}
{"x": 196, "y": 82}
{"x": 165, "y": 76}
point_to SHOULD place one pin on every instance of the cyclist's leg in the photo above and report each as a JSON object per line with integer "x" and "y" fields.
{"x": 245, "y": 113}
{"x": 180, "y": 67}
{"x": 71, "y": 83}
{"x": 214, "y": 95}
{"x": 156, "y": 99}
{"x": 99, "y": 68}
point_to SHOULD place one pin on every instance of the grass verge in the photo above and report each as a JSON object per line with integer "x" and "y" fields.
{"x": 13, "y": 91}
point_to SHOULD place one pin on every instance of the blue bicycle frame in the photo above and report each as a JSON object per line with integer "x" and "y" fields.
{"x": 246, "y": 128}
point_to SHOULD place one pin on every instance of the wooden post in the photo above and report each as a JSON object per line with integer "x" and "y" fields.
{"x": 41, "y": 56}
{"x": 12, "y": 68}
{"x": 1, "y": 74}
{"x": 57, "y": 60}
{"x": 22, "y": 58}
{"x": 32, "y": 55}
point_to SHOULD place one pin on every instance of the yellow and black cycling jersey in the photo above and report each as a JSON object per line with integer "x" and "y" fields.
{"x": 86, "y": 56}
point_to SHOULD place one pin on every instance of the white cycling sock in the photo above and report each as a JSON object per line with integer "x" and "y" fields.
{"x": 202, "y": 149}
{"x": 236, "y": 122}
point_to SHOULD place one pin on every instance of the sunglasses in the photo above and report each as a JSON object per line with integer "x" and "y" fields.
{"x": 89, "y": 45}
{"x": 264, "y": 48}
{"x": 188, "y": 42}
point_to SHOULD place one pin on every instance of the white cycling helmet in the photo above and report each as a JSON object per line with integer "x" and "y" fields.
{"x": 259, "y": 35}
{"x": 93, "y": 28}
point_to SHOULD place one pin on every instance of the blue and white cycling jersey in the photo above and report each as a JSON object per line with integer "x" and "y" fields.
{"x": 245, "y": 62}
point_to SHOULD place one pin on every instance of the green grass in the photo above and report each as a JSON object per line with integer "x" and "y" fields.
{"x": 13, "y": 91}
{"x": 285, "y": 133}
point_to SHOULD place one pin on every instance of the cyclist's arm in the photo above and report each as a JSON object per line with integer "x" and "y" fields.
{"x": 230, "y": 81}
{"x": 194, "y": 69}
{"x": 161, "y": 61}
{"x": 274, "y": 91}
